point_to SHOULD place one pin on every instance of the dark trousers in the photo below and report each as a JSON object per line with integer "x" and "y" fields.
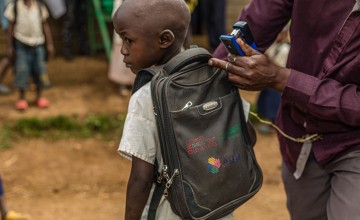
{"x": 214, "y": 14}
{"x": 75, "y": 21}
{"x": 268, "y": 103}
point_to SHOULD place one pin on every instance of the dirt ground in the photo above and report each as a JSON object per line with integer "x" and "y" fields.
{"x": 86, "y": 179}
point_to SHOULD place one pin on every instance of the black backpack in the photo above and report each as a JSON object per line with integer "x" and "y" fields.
{"x": 209, "y": 164}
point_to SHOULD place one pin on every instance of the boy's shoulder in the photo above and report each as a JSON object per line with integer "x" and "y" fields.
{"x": 141, "y": 101}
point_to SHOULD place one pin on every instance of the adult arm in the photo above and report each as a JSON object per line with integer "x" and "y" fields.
{"x": 138, "y": 189}
{"x": 325, "y": 99}
{"x": 330, "y": 104}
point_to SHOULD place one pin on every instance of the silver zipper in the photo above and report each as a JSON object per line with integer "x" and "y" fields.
{"x": 187, "y": 105}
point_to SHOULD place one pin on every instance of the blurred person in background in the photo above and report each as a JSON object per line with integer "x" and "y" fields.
{"x": 75, "y": 22}
{"x": 211, "y": 13}
{"x": 28, "y": 34}
{"x": 192, "y": 4}
{"x": 5, "y": 62}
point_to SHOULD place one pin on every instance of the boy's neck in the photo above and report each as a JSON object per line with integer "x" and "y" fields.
{"x": 169, "y": 55}
{"x": 28, "y": 2}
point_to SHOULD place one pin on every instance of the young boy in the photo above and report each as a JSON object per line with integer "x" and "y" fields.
{"x": 27, "y": 34}
{"x": 153, "y": 31}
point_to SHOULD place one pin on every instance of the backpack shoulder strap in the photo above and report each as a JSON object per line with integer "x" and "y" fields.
{"x": 191, "y": 55}
{"x": 142, "y": 77}
{"x": 194, "y": 54}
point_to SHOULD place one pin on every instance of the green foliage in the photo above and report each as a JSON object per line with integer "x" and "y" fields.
{"x": 4, "y": 140}
{"x": 59, "y": 127}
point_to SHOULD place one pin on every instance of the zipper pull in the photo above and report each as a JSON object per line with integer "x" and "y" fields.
{"x": 166, "y": 193}
{"x": 188, "y": 105}
{"x": 170, "y": 181}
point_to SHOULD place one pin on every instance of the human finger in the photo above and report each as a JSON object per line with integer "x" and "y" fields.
{"x": 217, "y": 63}
{"x": 228, "y": 66}
{"x": 249, "y": 51}
{"x": 232, "y": 58}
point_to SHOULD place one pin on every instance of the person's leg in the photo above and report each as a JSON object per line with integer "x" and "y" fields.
{"x": 267, "y": 106}
{"x": 205, "y": 11}
{"x": 68, "y": 26}
{"x": 216, "y": 25}
{"x": 80, "y": 13}
{"x": 22, "y": 71}
{"x": 307, "y": 197}
{"x": 38, "y": 70}
{"x": 345, "y": 187}
{"x": 268, "y": 103}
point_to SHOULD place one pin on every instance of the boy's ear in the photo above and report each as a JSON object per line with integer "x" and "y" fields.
{"x": 166, "y": 38}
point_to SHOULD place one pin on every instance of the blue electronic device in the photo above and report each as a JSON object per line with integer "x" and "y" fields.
{"x": 242, "y": 30}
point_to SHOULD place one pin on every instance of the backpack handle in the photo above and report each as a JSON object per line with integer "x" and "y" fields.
{"x": 191, "y": 55}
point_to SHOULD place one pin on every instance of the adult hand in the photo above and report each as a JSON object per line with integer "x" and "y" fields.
{"x": 255, "y": 71}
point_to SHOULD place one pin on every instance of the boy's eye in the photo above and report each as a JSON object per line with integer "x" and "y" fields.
{"x": 127, "y": 40}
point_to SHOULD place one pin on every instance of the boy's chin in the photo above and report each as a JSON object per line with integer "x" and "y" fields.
{"x": 134, "y": 70}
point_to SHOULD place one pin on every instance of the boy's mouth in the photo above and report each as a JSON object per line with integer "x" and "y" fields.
{"x": 128, "y": 65}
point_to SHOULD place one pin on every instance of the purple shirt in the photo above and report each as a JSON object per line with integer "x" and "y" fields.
{"x": 322, "y": 94}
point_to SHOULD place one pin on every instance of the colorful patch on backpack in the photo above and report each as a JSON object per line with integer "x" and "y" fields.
{"x": 199, "y": 144}
{"x": 214, "y": 165}
{"x": 232, "y": 133}
{"x": 225, "y": 161}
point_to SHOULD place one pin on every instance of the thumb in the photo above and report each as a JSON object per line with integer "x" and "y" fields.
{"x": 249, "y": 51}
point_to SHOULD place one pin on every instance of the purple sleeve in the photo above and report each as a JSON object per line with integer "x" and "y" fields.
{"x": 326, "y": 99}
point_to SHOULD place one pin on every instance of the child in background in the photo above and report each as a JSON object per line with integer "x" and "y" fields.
{"x": 27, "y": 34}
{"x": 153, "y": 31}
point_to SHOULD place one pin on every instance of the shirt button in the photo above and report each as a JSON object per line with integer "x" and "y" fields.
{"x": 338, "y": 44}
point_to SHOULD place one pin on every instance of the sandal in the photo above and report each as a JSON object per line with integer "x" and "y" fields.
{"x": 21, "y": 104}
{"x": 42, "y": 103}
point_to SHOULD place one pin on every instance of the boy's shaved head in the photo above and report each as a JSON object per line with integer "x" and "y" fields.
{"x": 153, "y": 31}
{"x": 154, "y": 16}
